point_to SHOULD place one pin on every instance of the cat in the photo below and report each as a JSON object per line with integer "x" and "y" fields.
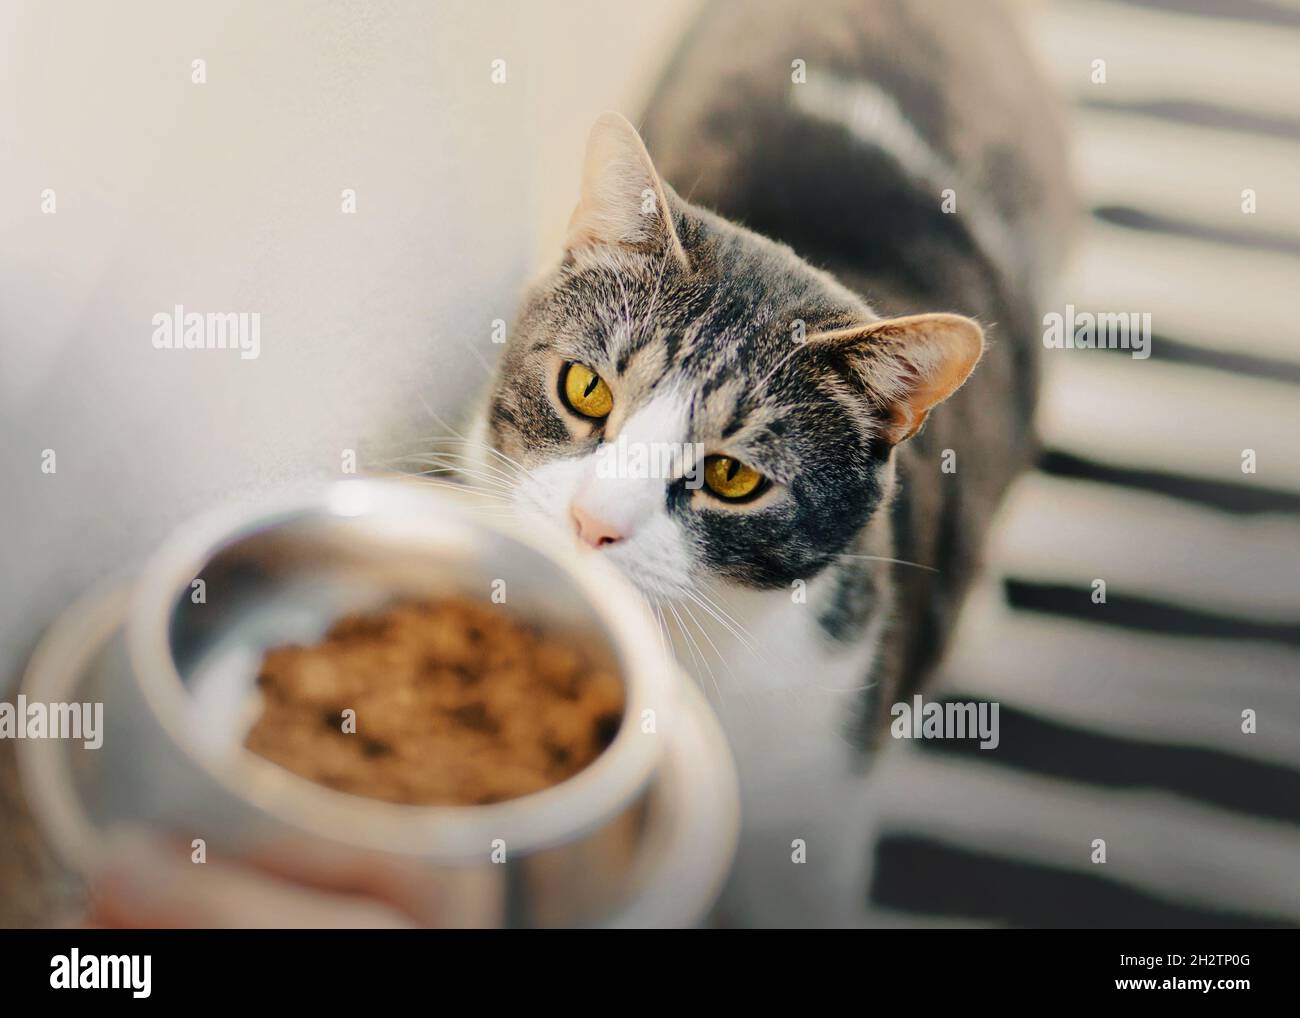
{"x": 836, "y": 332}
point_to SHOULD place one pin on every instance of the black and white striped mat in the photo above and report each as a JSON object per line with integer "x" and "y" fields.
{"x": 1123, "y": 722}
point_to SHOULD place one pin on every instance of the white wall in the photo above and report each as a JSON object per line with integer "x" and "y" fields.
{"x": 226, "y": 196}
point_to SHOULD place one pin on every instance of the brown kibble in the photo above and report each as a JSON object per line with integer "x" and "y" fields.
{"x": 456, "y": 701}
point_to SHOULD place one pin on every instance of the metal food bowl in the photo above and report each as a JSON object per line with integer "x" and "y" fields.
{"x": 643, "y": 836}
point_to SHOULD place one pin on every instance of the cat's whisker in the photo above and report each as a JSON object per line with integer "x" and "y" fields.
{"x": 438, "y": 419}
{"x": 506, "y": 466}
{"x": 463, "y": 484}
{"x": 461, "y": 469}
{"x": 703, "y": 589}
{"x": 420, "y": 456}
{"x": 882, "y": 558}
{"x": 515, "y": 472}
{"x": 487, "y": 368}
{"x": 714, "y": 599}
{"x": 781, "y": 662}
{"x": 705, "y": 633}
{"x": 510, "y": 475}
{"x": 665, "y": 637}
{"x": 457, "y": 475}
{"x": 697, "y": 655}
{"x": 666, "y": 609}
{"x": 452, "y": 485}
{"x": 847, "y": 689}
{"x": 502, "y": 456}
{"x": 451, "y": 476}
{"x": 459, "y": 436}
{"x": 724, "y": 620}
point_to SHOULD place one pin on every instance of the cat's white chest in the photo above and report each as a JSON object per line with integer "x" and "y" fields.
{"x": 786, "y": 696}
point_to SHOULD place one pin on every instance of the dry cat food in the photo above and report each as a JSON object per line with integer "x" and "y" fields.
{"x": 456, "y": 702}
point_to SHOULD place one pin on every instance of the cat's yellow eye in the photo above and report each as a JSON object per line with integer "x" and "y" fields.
{"x": 585, "y": 392}
{"x": 730, "y": 479}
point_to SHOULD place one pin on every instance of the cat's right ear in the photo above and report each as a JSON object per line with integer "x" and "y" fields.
{"x": 623, "y": 200}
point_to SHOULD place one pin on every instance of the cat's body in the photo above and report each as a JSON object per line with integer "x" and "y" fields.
{"x": 784, "y": 602}
{"x": 902, "y": 101}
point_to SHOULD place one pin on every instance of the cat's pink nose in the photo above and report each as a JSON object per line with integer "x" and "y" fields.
{"x": 594, "y": 531}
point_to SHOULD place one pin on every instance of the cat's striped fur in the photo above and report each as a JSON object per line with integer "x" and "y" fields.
{"x": 815, "y": 362}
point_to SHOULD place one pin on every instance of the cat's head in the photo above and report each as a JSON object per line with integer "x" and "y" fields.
{"x": 692, "y": 400}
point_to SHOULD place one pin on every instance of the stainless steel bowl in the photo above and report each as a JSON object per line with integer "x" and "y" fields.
{"x": 644, "y": 835}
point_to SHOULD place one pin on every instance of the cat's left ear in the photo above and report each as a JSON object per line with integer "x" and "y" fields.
{"x": 910, "y": 364}
{"x": 623, "y": 200}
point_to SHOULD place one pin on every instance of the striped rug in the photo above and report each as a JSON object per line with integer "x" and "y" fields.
{"x": 1123, "y": 721}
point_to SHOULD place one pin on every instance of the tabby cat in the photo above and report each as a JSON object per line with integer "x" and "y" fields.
{"x": 899, "y": 174}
